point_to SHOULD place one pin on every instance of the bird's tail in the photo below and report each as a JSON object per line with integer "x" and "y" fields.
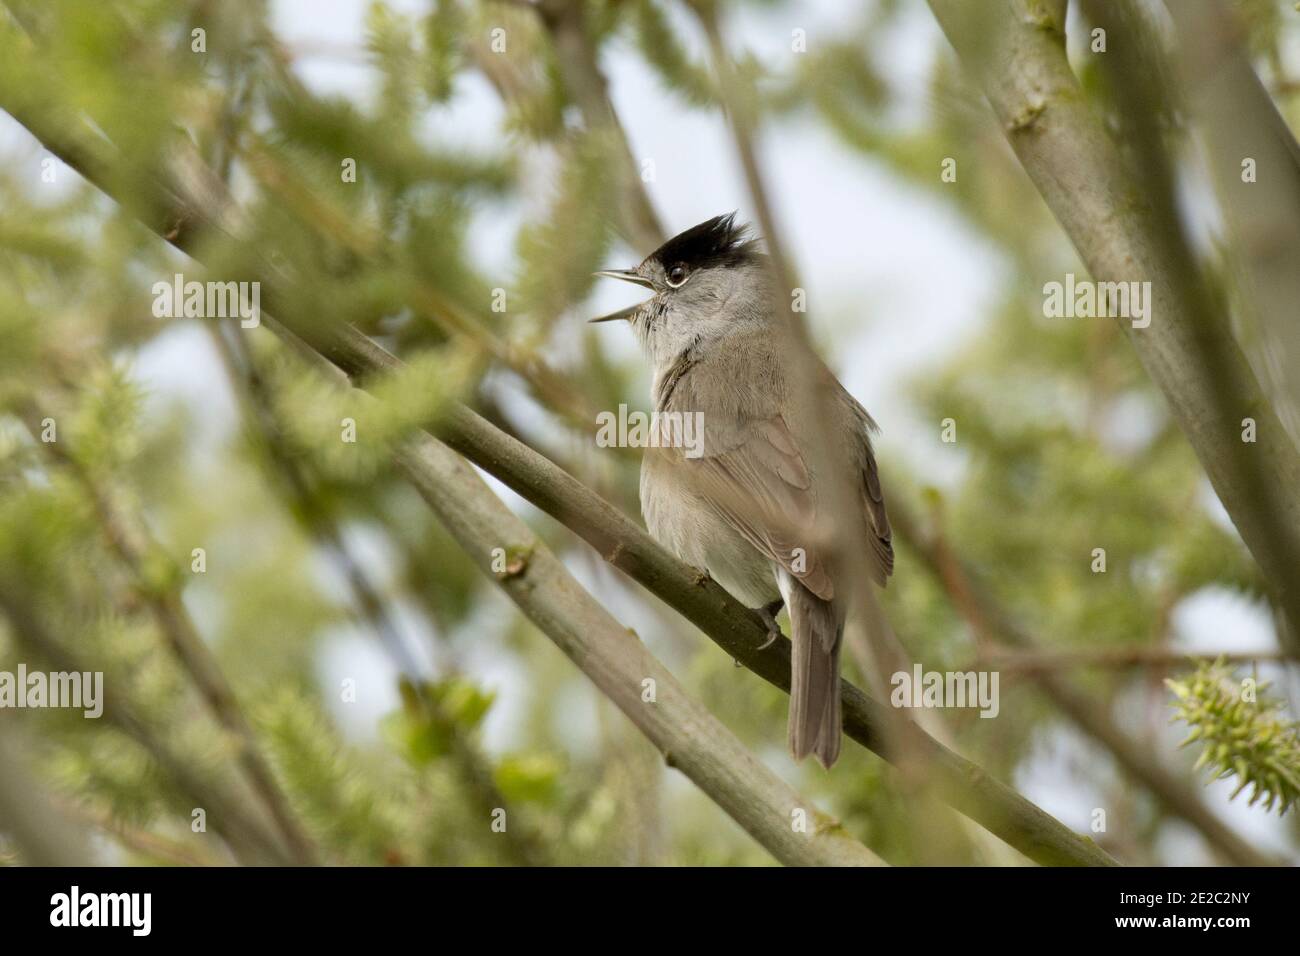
{"x": 817, "y": 629}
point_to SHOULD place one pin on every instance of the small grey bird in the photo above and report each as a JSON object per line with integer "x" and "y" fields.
{"x": 744, "y": 504}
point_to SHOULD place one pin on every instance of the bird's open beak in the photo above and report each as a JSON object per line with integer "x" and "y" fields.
{"x": 615, "y": 316}
{"x": 627, "y": 275}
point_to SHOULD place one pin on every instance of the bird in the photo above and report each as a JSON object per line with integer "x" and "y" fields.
{"x": 746, "y": 505}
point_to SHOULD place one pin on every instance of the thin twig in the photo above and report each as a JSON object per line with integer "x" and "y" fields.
{"x": 566, "y": 23}
{"x": 1116, "y": 658}
{"x": 138, "y": 840}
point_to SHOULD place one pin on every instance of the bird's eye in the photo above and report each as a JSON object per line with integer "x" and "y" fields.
{"x": 677, "y": 275}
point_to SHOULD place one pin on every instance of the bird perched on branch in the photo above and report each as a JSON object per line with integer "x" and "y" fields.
{"x": 749, "y": 502}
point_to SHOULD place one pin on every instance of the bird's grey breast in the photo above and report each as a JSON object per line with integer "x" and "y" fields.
{"x": 676, "y": 513}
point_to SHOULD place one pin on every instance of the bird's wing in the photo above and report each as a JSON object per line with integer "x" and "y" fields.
{"x": 873, "y": 497}
{"x": 755, "y": 477}
{"x": 873, "y": 500}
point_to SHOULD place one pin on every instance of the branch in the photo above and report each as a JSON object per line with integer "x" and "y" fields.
{"x": 141, "y": 841}
{"x": 1019, "y": 59}
{"x": 566, "y": 22}
{"x": 1116, "y": 658}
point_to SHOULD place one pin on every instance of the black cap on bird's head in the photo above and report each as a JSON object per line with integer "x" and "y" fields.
{"x": 719, "y": 241}
{"x": 716, "y": 243}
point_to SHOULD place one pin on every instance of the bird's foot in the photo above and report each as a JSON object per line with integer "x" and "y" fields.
{"x": 768, "y": 613}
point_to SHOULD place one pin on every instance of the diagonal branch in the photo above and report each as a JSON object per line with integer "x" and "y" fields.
{"x": 1116, "y": 658}
{"x": 568, "y": 26}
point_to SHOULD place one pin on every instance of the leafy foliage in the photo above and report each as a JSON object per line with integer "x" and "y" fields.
{"x": 1242, "y": 733}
